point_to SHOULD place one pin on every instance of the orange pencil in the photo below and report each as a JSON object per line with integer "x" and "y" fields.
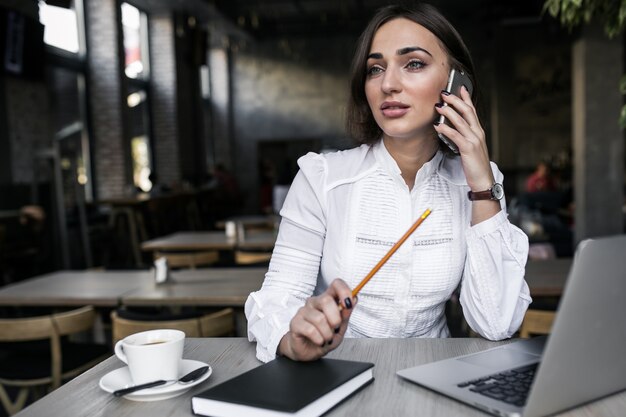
{"x": 393, "y": 249}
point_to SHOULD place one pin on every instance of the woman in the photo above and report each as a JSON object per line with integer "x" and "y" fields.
{"x": 541, "y": 179}
{"x": 345, "y": 209}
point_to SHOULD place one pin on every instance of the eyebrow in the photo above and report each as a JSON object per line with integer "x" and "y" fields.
{"x": 401, "y": 51}
{"x": 409, "y": 49}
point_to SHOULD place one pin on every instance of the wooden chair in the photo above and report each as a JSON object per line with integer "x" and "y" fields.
{"x": 248, "y": 258}
{"x": 220, "y": 323}
{"x": 48, "y": 359}
{"x": 537, "y": 322}
{"x": 190, "y": 260}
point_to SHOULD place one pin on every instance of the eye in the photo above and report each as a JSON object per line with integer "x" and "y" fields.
{"x": 415, "y": 64}
{"x": 374, "y": 70}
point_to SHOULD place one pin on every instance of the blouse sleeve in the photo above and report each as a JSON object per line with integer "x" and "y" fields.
{"x": 494, "y": 294}
{"x": 294, "y": 267}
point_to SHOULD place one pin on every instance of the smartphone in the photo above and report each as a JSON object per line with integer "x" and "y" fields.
{"x": 456, "y": 79}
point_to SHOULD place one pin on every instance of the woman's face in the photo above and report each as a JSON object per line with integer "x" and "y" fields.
{"x": 406, "y": 70}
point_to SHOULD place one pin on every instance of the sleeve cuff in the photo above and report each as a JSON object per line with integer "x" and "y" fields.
{"x": 488, "y": 226}
{"x": 269, "y": 353}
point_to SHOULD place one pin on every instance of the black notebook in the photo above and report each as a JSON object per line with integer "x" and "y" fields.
{"x": 285, "y": 387}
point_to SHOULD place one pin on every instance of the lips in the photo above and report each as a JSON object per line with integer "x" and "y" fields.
{"x": 394, "y": 109}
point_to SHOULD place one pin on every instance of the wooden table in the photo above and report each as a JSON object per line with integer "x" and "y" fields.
{"x": 215, "y": 287}
{"x": 547, "y": 278}
{"x": 190, "y": 241}
{"x": 203, "y": 287}
{"x": 209, "y": 287}
{"x": 388, "y": 395}
{"x": 199, "y": 241}
{"x": 258, "y": 240}
{"x": 75, "y": 288}
{"x": 212, "y": 287}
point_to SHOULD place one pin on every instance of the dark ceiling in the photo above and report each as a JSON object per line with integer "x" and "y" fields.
{"x": 286, "y": 18}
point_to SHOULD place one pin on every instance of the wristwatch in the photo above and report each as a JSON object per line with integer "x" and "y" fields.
{"x": 496, "y": 192}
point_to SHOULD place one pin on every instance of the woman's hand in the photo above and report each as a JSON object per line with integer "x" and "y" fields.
{"x": 469, "y": 136}
{"x": 318, "y": 327}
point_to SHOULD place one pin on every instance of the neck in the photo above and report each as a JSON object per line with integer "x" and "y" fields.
{"x": 411, "y": 155}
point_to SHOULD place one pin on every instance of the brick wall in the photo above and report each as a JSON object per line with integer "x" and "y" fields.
{"x": 25, "y": 103}
{"x": 109, "y": 164}
{"x": 164, "y": 120}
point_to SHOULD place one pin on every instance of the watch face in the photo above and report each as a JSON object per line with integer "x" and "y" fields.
{"x": 497, "y": 191}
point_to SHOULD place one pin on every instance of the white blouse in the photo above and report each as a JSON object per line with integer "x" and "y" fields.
{"x": 346, "y": 209}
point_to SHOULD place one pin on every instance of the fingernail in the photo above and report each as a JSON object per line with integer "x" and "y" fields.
{"x": 336, "y": 330}
{"x": 348, "y": 303}
{"x": 445, "y": 93}
{"x": 439, "y": 105}
{"x": 465, "y": 87}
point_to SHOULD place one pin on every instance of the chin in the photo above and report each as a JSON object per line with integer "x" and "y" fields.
{"x": 401, "y": 134}
{"x": 406, "y": 132}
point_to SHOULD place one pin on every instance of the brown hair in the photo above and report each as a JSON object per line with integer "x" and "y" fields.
{"x": 360, "y": 123}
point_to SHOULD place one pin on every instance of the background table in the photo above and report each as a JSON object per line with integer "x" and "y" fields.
{"x": 212, "y": 287}
{"x": 198, "y": 241}
{"x": 547, "y": 278}
{"x": 75, "y": 288}
{"x": 215, "y": 287}
{"x": 208, "y": 287}
{"x": 388, "y": 395}
{"x": 189, "y": 241}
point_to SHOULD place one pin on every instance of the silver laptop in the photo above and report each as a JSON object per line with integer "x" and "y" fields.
{"x": 582, "y": 360}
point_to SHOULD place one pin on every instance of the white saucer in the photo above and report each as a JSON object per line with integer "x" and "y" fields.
{"x": 120, "y": 378}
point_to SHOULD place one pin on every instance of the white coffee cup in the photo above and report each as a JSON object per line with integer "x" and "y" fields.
{"x": 231, "y": 229}
{"x": 152, "y": 355}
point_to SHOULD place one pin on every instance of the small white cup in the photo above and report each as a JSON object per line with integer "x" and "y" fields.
{"x": 231, "y": 229}
{"x": 152, "y": 355}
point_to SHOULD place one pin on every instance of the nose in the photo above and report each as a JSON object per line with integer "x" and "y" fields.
{"x": 391, "y": 81}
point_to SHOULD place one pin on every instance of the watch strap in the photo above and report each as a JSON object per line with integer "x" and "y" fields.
{"x": 480, "y": 195}
{"x": 496, "y": 192}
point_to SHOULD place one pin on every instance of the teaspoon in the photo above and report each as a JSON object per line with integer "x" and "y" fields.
{"x": 186, "y": 379}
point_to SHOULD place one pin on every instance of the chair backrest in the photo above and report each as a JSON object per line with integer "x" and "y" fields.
{"x": 209, "y": 325}
{"x": 255, "y": 256}
{"x": 537, "y": 322}
{"x": 248, "y": 258}
{"x": 51, "y": 327}
{"x": 219, "y": 323}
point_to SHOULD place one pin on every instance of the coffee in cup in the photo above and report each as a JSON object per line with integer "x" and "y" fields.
{"x": 152, "y": 355}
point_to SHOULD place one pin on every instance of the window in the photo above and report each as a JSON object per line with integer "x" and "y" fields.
{"x": 65, "y": 78}
{"x": 62, "y": 29}
{"x": 137, "y": 72}
{"x": 135, "y": 29}
{"x": 68, "y": 121}
{"x": 139, "y": 143}
{"x": 205, "y": 82}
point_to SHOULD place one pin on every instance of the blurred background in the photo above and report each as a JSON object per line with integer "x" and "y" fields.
{"x": 122, "y": 121}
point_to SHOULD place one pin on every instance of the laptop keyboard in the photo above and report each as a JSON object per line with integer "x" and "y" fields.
{"x": 511, "y": 386}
